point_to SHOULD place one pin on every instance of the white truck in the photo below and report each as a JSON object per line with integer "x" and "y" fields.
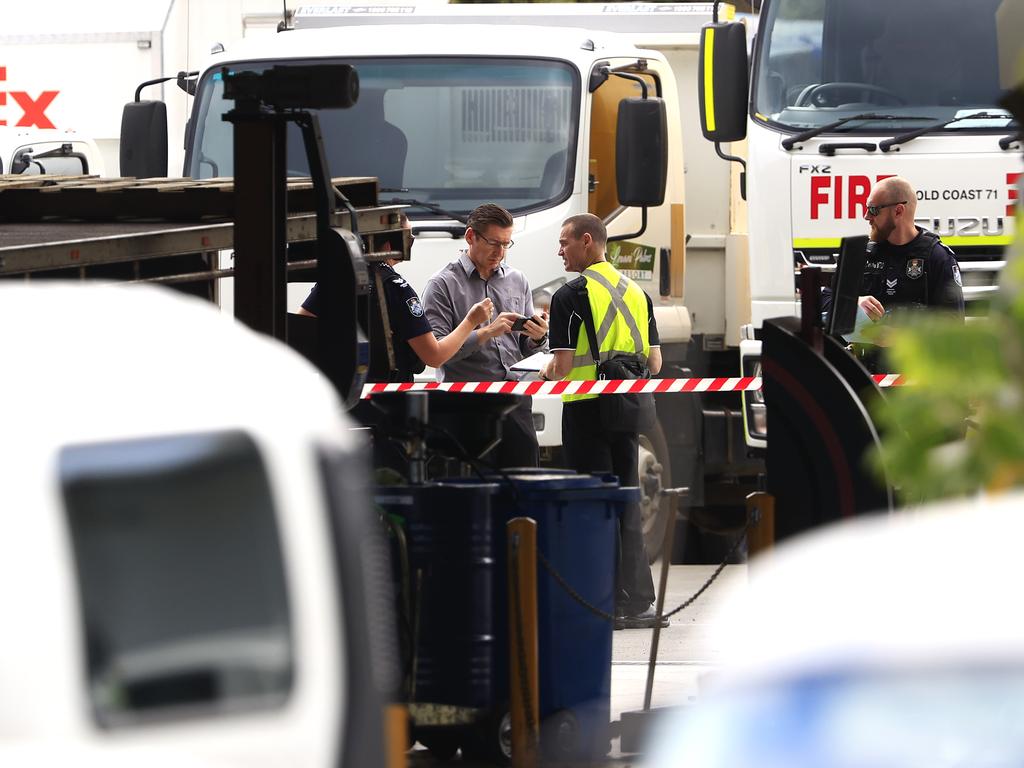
{"x": 32, "y": 152}
{"x": 66, "y": 68}
{"x": 838, "y": 95}
{"x": 519, "y": 105}
{"x": 461, "y": 105}
{"x": 186, "y": 580}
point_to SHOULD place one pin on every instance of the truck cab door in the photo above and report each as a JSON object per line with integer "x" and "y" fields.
{"x": 603, "y": 199}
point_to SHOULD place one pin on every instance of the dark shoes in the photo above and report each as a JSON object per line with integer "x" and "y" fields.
{"x": 646, "y": 619}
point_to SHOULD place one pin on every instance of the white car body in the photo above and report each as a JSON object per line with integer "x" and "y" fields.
{"x": 876, "y": 641}
{"x": 100, "y": 367}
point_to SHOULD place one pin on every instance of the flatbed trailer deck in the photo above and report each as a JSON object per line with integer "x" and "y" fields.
{"x": 60, "y": 224}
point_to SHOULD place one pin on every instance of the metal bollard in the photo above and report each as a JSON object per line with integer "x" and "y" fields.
{"x": 666, "y": 559}
{"x": 522, "y": 641}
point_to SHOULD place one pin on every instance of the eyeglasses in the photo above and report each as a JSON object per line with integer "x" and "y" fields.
{"x": 495, "y": 243}
{"x": 874, "y": 210}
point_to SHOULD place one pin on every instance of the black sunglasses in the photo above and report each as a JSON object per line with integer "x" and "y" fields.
{"x": 874, "y": 210}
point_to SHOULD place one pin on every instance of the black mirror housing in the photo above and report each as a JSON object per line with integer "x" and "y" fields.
{"x": 641, "y": 152}
{"x": 722, "y": 82}
{"x": 144, "y": 139}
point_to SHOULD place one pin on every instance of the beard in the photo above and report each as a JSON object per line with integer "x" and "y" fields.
{"x": 880, "y": 233}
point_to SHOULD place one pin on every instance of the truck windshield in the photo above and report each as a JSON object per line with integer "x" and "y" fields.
{"x": 820, "y": 60}
{"x": 453, "y": 132}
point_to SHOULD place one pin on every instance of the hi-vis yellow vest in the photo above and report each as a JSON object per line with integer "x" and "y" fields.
{"x": 619, "y": 308}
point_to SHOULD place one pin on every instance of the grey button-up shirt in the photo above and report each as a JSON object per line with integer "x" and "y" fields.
{"x": 448, "y": 297}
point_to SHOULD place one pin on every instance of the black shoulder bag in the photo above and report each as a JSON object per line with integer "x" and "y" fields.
{"x": 633, "y": 412}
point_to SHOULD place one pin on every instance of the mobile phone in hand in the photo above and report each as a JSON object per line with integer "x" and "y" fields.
{"x": 520, "y": 323}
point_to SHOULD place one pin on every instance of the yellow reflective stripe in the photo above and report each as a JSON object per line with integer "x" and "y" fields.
{"x": 579, "y": 361}
{"x": 709, "y": 79}
{"x": 816, "y": 242}
{"x": 834, "y": 242}
{"x": 979, "y": 240}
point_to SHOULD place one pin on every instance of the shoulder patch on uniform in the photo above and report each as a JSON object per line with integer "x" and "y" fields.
{"x": 415, "y": 308}
{"x": 956, "y": 275}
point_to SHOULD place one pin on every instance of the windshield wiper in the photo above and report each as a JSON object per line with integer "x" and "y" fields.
{"x": 411, "y": 201}
{"x": 903, "y": 138}
{"x": 1007, "y": 141}
{"x": 810, "y": 133}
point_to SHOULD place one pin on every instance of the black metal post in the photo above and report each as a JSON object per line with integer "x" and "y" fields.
{"x": 260, "y": 219}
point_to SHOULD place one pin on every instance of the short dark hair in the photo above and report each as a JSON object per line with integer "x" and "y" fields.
{"x": 583, "y": 223}
{"x": 489, "y": 213}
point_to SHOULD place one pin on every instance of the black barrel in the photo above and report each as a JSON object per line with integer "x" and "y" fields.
{"x": 451, "y": 535}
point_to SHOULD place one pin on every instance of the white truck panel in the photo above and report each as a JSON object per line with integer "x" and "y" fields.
{"x": 66, "y": 67}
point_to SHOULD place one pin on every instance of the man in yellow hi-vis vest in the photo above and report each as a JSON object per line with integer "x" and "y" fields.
{"x": 623, "y": 325}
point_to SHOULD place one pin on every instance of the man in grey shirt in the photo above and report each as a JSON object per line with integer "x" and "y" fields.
{"x": 490, "y": 352}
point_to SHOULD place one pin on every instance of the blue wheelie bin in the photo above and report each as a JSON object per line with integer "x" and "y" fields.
{"x": 577, "y": 524}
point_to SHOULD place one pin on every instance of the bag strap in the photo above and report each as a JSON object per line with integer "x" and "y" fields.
{"x": 583, "y": 307}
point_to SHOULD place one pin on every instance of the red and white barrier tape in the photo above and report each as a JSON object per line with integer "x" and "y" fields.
{"x": 602, "y": 387}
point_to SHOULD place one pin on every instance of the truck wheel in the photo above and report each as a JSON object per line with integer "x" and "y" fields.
{"x": 490, "y": 740}
{"x": 656, "y": 510}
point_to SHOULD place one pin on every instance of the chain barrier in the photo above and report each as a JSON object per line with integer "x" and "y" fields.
{"x": 711, "y": 579}
{"x": 559, "y": 579}
{"x": 578, "y": 598}
{"x": 570, "y": 591}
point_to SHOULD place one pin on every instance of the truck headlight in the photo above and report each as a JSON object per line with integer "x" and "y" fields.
{"x": 755, "y": 417}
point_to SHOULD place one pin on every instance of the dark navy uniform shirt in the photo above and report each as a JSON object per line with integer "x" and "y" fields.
{"x": 918, "y": 274}
{"x": 922, "y": 273}
{"x": 406, "y": 317}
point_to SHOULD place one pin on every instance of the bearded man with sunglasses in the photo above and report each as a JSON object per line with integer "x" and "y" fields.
{"x": 907, "y": 267}
{"x": 488, "y": 354}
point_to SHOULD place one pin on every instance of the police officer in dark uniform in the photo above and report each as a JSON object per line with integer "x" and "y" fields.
{"x": 399, "y": 318}
{"x": 907, "y": 268}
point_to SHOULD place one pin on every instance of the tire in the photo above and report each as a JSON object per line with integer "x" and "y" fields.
{"x": 560, "y": 736}
{"x": 656, "y": 510}
{"x": 490, "y": 740}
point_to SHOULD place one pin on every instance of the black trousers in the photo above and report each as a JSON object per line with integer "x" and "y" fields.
{"x": 518, "y": 446}
{"x": 591, "y": 448}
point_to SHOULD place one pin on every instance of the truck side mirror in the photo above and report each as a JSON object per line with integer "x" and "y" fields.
{"x": 641, "y": 152}
{"x": 722, "y": 81}
{"x": 144, "y": 139}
